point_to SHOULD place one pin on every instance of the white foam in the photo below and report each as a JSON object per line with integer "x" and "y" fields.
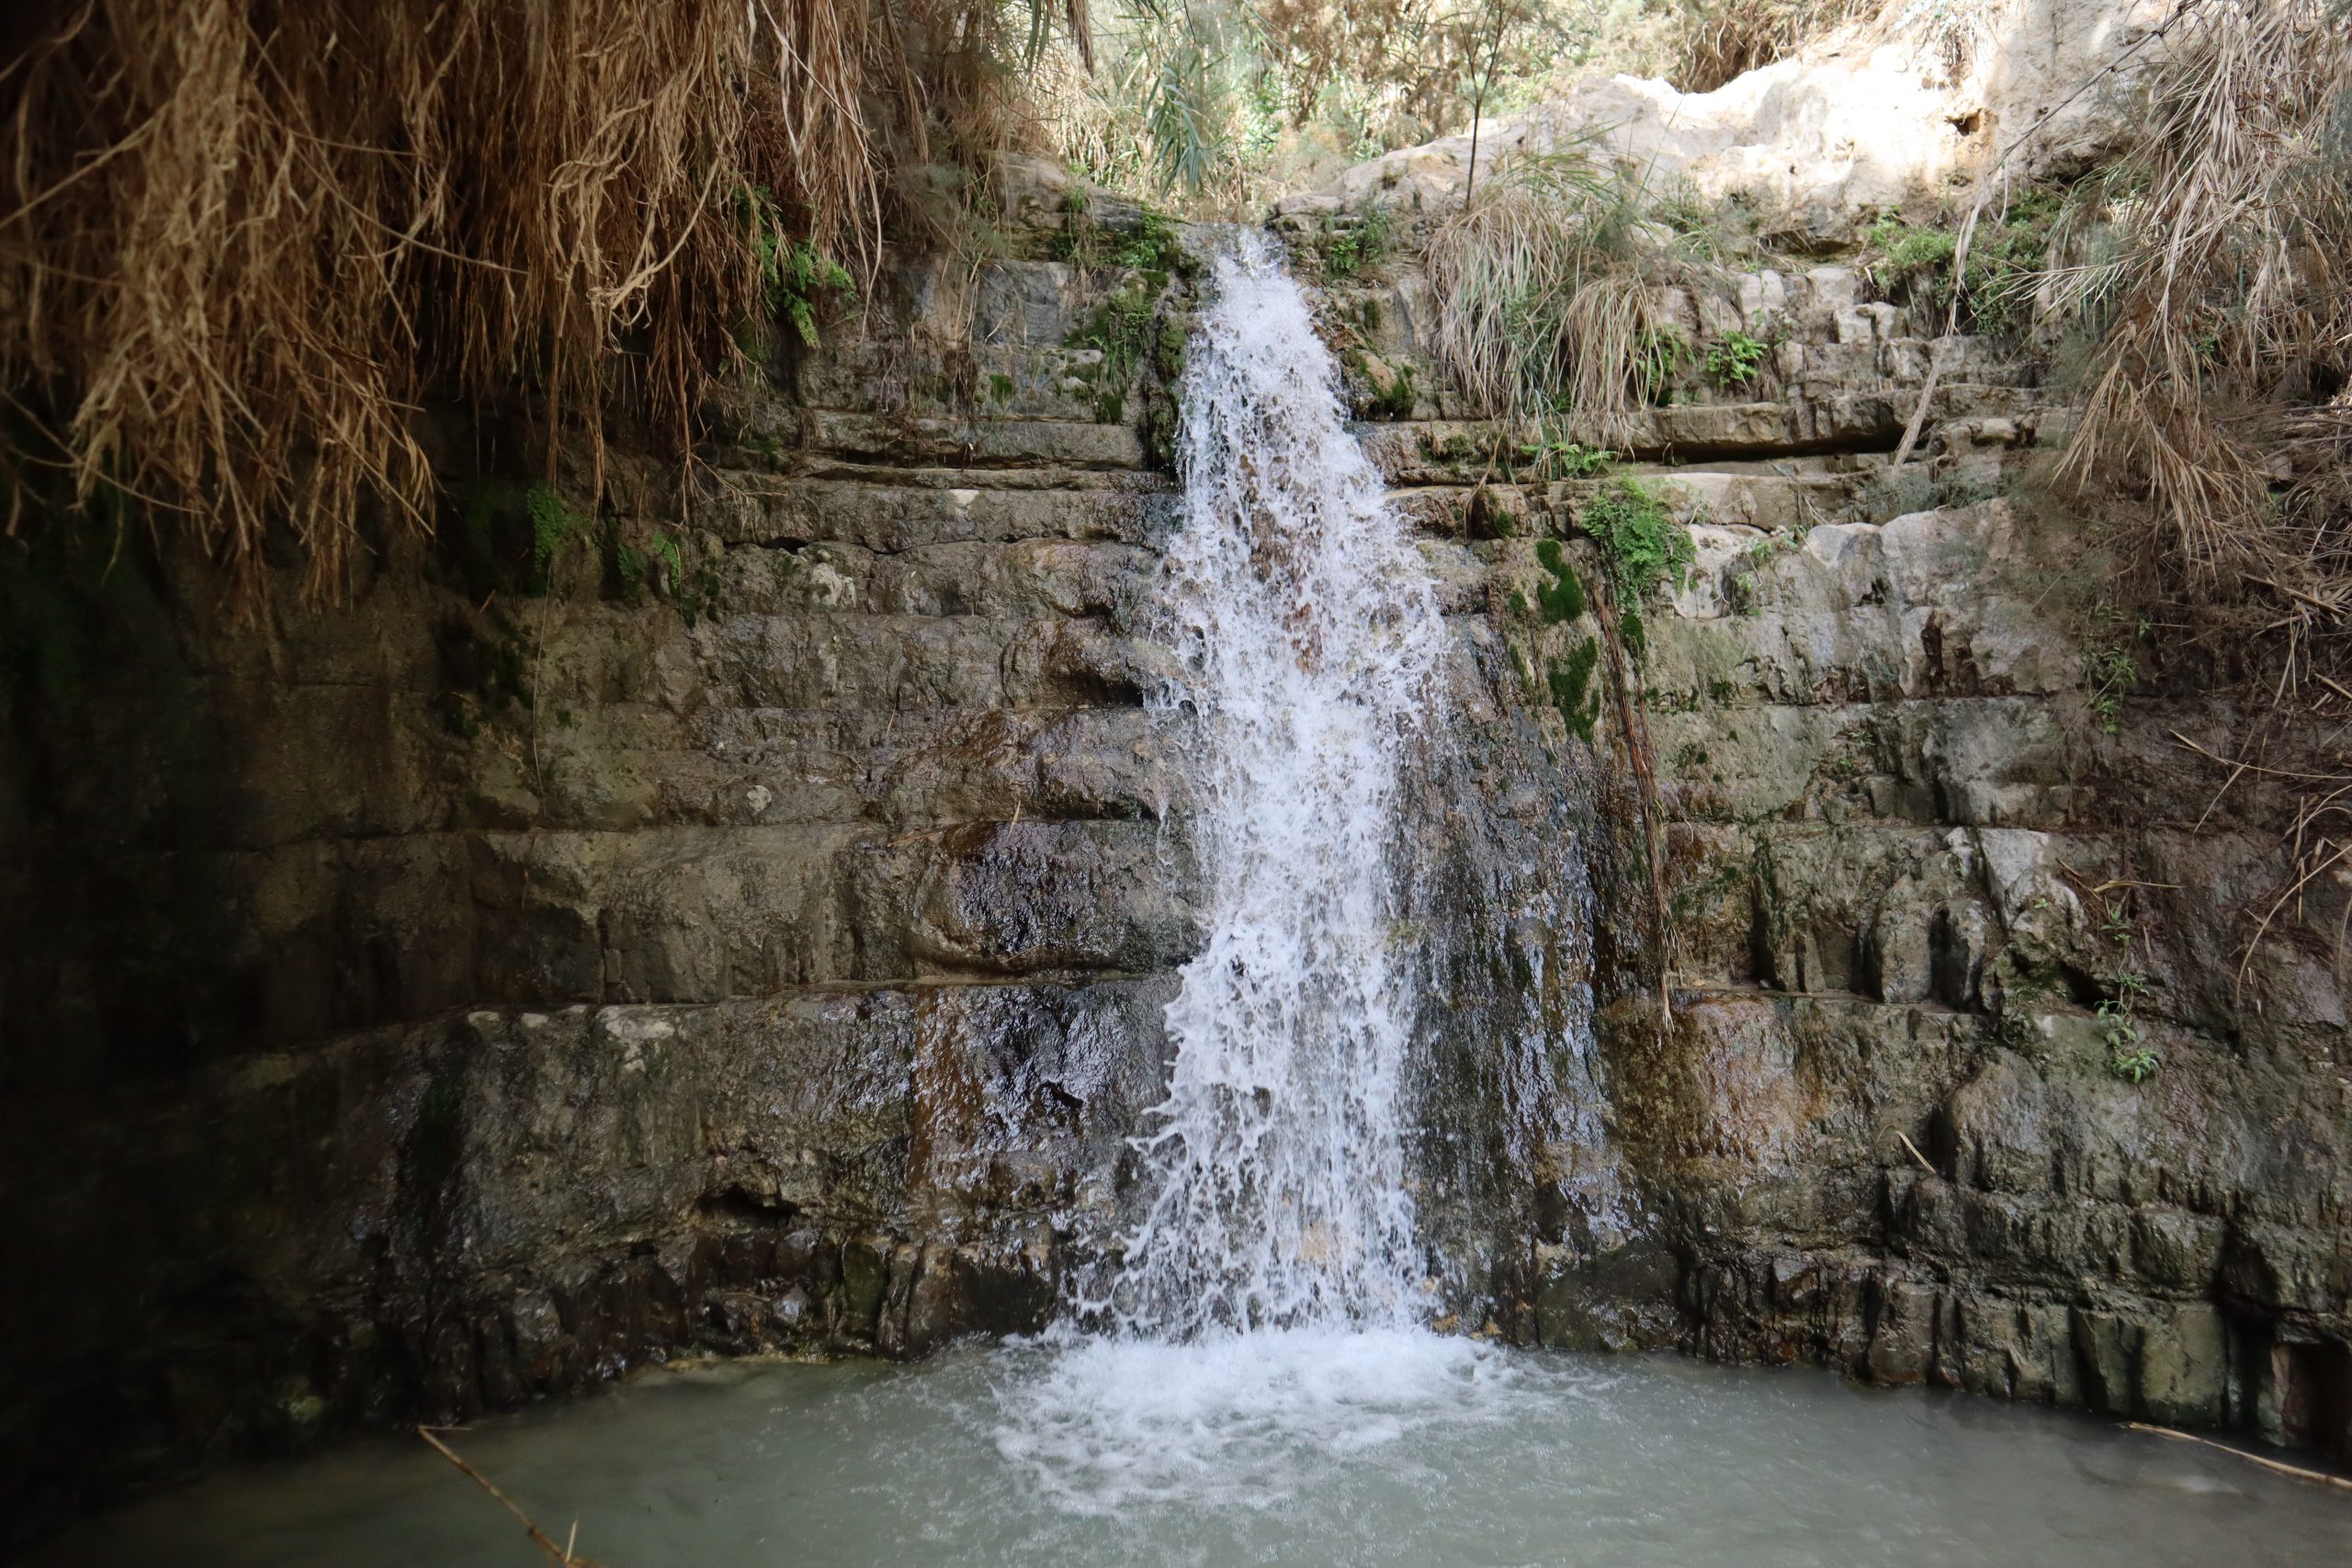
{"x": 1308, "y": 641}
{"x": 1105, "y": 1426}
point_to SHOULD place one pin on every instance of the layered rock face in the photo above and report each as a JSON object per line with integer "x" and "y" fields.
{"x": 1937, "y": 902}
{"x": 1935, "y": 880}
{"x": 756, "y": 939}
{"x": 736, "y": 916}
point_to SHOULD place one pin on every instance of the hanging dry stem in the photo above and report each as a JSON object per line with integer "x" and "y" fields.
{"x": 241, "y": 241}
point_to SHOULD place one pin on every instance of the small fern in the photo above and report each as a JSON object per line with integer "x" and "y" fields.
{"x": 1734, "y": 361}
{"x": 553, "y": 524}
{"x": 1641, "y": 543}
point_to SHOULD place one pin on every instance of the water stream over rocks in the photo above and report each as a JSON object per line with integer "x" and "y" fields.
{"x": 1309, "y": 641}
{"x": 1274, "y": 1287}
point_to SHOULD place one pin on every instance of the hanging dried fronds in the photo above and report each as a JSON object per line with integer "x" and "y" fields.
{"x": 2214, "y": 265}
{"x": 240, "y": 239}
{"x": 1714, "y": 40}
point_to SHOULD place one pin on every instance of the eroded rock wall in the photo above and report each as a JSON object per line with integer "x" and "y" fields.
{"x": 1934, "y": 874}
{"x": 461, "y": 996}
{"x": 726, "y": 910}
{"x": 756, "y": 939}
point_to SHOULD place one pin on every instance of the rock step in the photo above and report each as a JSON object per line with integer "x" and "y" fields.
{"x": 896, "y": 510}
{"x": 682, "y": 914}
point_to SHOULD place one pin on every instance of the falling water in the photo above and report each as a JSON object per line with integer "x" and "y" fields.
{"x": 1268, "y": 1315}
{"x": 1308, "y": 639}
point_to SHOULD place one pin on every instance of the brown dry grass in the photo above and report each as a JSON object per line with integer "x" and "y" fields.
{"x": 1714, "y": 40}
{"x": 2224, "y": 307}
{"x": 241, "y": 240}
{"x": 1549, "y": 284}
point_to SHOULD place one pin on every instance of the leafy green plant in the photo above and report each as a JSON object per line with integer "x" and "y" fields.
{"x": 1151, "y": 244}
{"x": 2005, "y": 257}
{"x": 1641, "y": 542}
{"x": 1734, "y": 360}
{"x": 797, "y": 279}
{"x": 1121, "y": 330}
{"x": 1363, "y": 244}
{"x": 1555, "y": 457}
{"x": 1904, "y": 252}
{"x": 554, "y": 525}
{"x": 666, "y": 549}
{"x": 801, "y": 281}
{"x": 2108, "y": 668}
{"x": 2128, "y": 1055}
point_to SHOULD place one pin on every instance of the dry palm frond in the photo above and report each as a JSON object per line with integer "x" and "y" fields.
{"x": 1549, "y": 284}
{"x": 241, "y": 240}
{"x": 1716, "y": 41}
{"x": 2226, "y": 291}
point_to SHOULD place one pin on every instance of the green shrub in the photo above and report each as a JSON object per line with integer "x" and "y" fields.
{"x": 1640, "y": 540}
{"x": 1556, "y": 458}
{"x": 798, "y": 278}
{"x": 1150, "y": 245}
{"x": 1353, "y": 250}
{"x": 2004, "y": 257}
{"x": 554, "y": 525}
{"x": 1734, "y": 361}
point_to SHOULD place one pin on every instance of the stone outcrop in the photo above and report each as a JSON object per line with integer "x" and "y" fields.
{"x": 1866, "y": 117}
{"x": 732, "y": 916}
{"x": 748, "y": 932}
{"x": 1925, "y": 893}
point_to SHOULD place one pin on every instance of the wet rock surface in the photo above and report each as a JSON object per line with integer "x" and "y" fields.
{"x": 1925, "y": 895}
{"x": 755, "y": 940}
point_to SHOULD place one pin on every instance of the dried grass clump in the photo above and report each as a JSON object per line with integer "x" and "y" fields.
{"x": 241, "y": 240}
{"x": 2216, "y": 271}
{"x": 1716, "y": 40}
{"x": 1550, "y": 282}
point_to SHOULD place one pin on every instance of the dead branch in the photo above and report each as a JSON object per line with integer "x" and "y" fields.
{"x": 2281, "y": 1466}
{"x": 561, "y": 1555}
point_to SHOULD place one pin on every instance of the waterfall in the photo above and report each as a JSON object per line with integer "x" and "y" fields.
{"x": 1270, "y": 1302}
{"x": 1308, "y": 641}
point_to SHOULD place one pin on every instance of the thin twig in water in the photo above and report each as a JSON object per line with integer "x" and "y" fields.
{"x": 1907, "y": 1144}
{"x": 561, "y": 1555}
{"x": 2297, "y": 1471}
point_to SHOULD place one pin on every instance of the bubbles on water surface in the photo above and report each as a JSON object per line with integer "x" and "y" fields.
{"x": 1105, "y": 1426}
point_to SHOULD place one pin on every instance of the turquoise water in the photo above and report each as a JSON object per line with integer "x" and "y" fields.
{"x": 1294, "y": 1449}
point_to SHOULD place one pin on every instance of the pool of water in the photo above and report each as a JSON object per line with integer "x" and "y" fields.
{"x": 1293, "y": 1448}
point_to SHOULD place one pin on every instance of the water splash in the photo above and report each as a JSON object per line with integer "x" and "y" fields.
{"x": 1268, "y": 1316}
{"x": 1309, "y": 643}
